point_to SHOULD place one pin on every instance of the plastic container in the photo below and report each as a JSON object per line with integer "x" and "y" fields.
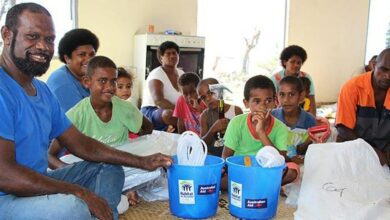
{"x": 253, "y": 191}
{"x": 194, "y": 190}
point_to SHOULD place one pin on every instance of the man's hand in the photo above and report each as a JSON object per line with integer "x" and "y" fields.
{"x": 155, "y": 161}
{"x": 97, "y": 206}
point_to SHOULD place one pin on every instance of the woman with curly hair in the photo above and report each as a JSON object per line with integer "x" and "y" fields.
{"x": 75, "y": 50}
{"x": 292, "y": 59}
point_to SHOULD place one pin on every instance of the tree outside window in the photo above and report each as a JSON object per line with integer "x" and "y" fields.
{"x": 243, "y": 38}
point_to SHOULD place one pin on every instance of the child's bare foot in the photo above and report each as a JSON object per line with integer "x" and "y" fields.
{"x": 171, "y": 129}
{"x": 132, "y": 197}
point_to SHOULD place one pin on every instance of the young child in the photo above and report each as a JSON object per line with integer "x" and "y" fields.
{"x": 188, "y": 107}
{"x": 102, "y": 116}
{"x": 306, "y": 93}
{"x": 210, "y": 124}
{"x": 124, "y": 85}
{"x": 290, "y": 96}
{"x": 246, "y": 134}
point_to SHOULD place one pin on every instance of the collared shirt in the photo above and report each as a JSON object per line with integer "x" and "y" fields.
{"x": 356, "y": 110}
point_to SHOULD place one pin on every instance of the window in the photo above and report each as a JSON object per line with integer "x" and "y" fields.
{"x": 243, "y": 38}
{"x": 378, "y": 34}
{"x": 62, "y": 11}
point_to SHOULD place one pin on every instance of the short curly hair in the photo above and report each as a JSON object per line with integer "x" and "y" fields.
{"x": 258, "y": 82}
{"x": 188, "y": 79}
{"x": 12, "y": 17}
{"x": 165, "y": 46}
{"x": 293, "y": 50}
{"x": 99, "y": 62}
{"x": 294, "y": 81}
{"x": 75, "y": 38}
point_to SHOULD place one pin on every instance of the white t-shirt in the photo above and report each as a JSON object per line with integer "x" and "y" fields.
{"x": 170, "y": 93}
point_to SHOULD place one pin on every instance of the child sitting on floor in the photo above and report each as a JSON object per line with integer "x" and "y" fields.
{"x": 124, "y": 85}
{"x": 188, "y": 107}
{"x": 290, "y": 96}
{"x": 102, "y": 116}
{"x": 246, "y": 134}
{"x": 210, "y": 124}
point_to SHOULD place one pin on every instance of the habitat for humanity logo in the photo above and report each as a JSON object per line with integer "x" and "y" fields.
{"x": 255, "y": 203}
{"x": 207, "y": 189}
{"x": 236, "y": 194}
{"x": 186, "y": 192}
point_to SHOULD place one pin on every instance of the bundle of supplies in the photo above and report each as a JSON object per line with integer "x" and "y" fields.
{"x": 193, "y": 179}
{"x": 191, "y": 150}
{"x": 269, "y": 157}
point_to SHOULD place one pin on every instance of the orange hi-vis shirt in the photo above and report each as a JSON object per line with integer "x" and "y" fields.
{"x": 356, "y": 110}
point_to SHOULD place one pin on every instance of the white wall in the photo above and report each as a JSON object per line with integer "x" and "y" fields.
{"x": 116, "y": 22}
{"x": 333, "y": 33}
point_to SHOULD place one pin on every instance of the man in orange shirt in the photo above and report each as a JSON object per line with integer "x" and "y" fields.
{"x": 364, "y": 108}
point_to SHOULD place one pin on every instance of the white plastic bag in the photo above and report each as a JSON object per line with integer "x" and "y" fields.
{"x": 292, "y": 189}
{"x": 268, "y": 157}
{"x": 154, "y": 190}
{"x": 344, "y": 181}
{"x": 157, "y": 142}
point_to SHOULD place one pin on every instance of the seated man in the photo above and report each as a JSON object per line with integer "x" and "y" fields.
{"x": 364, "y": 108}
{"x": 31, "y": 117}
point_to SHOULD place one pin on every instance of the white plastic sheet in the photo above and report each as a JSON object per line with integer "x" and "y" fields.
{"x": 344, "y": 181}
{"x": 149, "y": 184}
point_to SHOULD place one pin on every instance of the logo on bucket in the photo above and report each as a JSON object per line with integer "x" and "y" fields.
{"x": 255, "y": 203}
{"x": 186, "y": 192}
{"x": 207, "y": 189}
{"x": 236, "y": 194}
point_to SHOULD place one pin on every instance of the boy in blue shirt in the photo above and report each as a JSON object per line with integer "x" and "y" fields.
{"x": 290, "y": 95}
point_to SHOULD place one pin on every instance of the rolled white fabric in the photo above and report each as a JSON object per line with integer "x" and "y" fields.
{"x": 268, "y": 157}
{"x": 191, "y": 150}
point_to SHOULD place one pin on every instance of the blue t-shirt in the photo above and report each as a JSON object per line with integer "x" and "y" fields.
{"x": 305, "y": 120}
{"x": 297, "y": 133}
{"x": 30, "y": 122}
{"x": 68, "y": 90}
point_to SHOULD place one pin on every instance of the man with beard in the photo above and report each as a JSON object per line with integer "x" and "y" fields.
{"x": 364, "y": 108}
{"x": 31, "y": 117}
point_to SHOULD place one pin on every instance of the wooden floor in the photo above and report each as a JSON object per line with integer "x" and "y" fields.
{"x": 160, "y": 210}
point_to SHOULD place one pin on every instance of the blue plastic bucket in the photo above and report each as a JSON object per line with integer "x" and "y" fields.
{"x": 194, "y": 190}
{"x": 253, "y": 191}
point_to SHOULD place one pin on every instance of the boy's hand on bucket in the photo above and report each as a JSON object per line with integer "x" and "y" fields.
{"x": 155, "y": 161}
